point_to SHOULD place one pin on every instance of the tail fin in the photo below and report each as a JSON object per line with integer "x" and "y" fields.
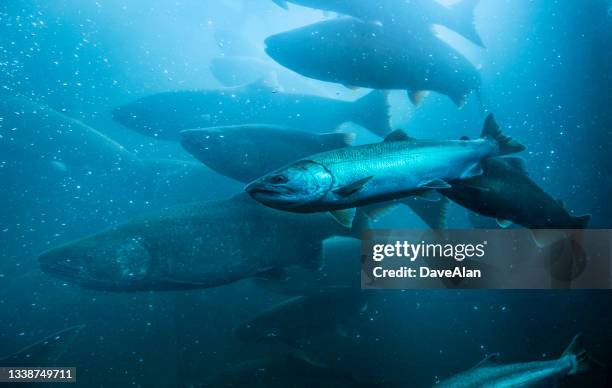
{"x": 507, "y": 145}
{"x": 584, "y": 362}
{"x": 463, "y": 13}
{"x": 372, "y": 112}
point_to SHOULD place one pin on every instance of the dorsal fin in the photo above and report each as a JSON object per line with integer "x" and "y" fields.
{"x": 489, "y": 360}
{"x": 398, "y": 135}
{"x": 517, "y": 163}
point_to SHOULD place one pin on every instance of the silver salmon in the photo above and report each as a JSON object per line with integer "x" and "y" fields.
{"x": 340, "y": 180}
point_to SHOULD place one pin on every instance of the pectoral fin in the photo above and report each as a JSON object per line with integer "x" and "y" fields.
{"x": 417, "y": 96}
{"x": 489, "y": 360}
{"x": 345, "y": 217}
{"x": 351, "y": 188}
{"x": 474, "y": 170}
{"x": 435, "y": 184}
{"x": 351, "y": 87}
{"x": 429, "y": 195}
{"x": 503, "y": 223}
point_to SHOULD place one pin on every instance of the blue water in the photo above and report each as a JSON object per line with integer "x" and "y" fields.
{"x": 546, "y": 74}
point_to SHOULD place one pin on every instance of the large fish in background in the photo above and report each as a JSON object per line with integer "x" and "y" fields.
{"x": 402, "y": 14}
{"x": 401, "y": 166}
{"x": 489, "y": 373}
{"x": 360, "y": 53}
{"x": 164, "y": 115}
{"x": 199, "y": 245}
{"x": 302, "y": 317}
{"x": 246, "y": 152}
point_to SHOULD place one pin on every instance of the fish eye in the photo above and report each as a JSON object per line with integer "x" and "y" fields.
{"x": 279, "y": 179}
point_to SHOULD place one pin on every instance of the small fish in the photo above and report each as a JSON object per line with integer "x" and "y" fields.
{"x": 340, "y": 180}
{"x": 489, "y": 373}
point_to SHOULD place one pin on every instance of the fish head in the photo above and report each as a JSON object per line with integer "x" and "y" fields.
{"x": 310, "y": 49}
{"x": 294, "y": 187}
{"x": 108, "y": 261}
{"x": 327, "y": 50}
{"x": 230, "y": 151}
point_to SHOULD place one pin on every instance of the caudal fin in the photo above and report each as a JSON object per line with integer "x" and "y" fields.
{"x": 584, "y": 362}
{"x": 507, "y": 145}
{"x": 372, "y": 112}
{"x": 463, "y": 14}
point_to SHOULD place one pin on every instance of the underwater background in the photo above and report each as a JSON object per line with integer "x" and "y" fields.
{"x": 546, "y": 75}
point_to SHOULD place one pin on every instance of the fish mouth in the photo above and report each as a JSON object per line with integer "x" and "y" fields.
{"x": 277, "y": 197}
{"x": 259, "y": 191}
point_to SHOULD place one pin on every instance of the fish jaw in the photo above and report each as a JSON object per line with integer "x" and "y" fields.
{"x": 273, "y": 196}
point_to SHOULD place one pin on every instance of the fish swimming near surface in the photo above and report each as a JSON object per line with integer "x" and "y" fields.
{"x": 366, "y": 54}
{"x": 489, "y": 373}
{"x": 303, "y": 317}
{"x": 247, "y": 152}
{"x": 199, "y": 245}
{"x": 506, "y": 192}
{"x": 340, "y": 180}
{"x": 402, "y": 14}
{"x": 164, "y": 115}
{"x": 45, "y": 352}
